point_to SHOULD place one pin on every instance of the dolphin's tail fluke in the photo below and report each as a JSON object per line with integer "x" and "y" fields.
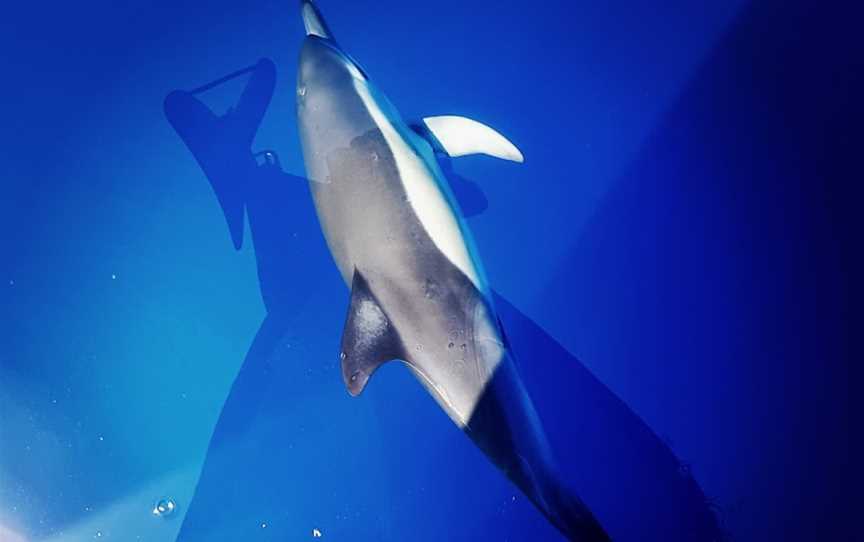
{"x": 313, "y": 21}
{"x": 505, "y": 426}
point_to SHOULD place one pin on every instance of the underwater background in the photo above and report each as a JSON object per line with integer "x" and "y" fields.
{"x": 672, "y": 266}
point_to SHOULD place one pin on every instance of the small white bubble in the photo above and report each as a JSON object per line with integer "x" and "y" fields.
{"x": 113, "y": 276}
{"x": 263, "y": 525}
{"x": 164, "y": 507}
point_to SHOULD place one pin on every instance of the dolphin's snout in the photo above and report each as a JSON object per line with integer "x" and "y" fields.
{"x": 321, "y": 56}
{"x": 313, "y": 21}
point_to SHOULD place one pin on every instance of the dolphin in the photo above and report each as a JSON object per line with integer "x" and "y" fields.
{"x": 418, "y": 291}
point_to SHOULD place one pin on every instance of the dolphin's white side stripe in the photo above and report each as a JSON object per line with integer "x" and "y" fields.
{"x": 424, "y": 194}
{"x": 461, "y": 136}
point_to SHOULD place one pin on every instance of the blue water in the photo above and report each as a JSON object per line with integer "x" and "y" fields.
{"x": 671, "y": 264}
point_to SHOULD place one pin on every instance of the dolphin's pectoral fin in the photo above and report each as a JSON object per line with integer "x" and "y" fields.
{"x": 368, "y": 340}
{"x": 461, "y": 136}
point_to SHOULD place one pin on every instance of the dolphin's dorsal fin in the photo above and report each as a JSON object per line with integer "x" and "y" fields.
{"x": 461, "y": 136}
{"x": 368, "y": 340}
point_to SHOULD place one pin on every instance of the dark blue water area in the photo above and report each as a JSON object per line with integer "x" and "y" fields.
{"x": 672, "y": 266}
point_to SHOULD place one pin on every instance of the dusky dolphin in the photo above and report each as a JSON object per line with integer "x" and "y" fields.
{"x": 418, "y": 292}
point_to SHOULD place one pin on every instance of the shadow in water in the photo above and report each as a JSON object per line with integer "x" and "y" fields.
{"x": 264, "y": 474}
{"x": 718, "y": 282}
{"x": 221, "y": 144}
{"x": 472, "y": 200}
{"x": 288, "y": 421}
{"x": 627, "y": 475}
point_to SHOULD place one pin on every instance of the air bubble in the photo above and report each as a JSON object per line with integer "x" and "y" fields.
{"x": 164, "y": 507}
